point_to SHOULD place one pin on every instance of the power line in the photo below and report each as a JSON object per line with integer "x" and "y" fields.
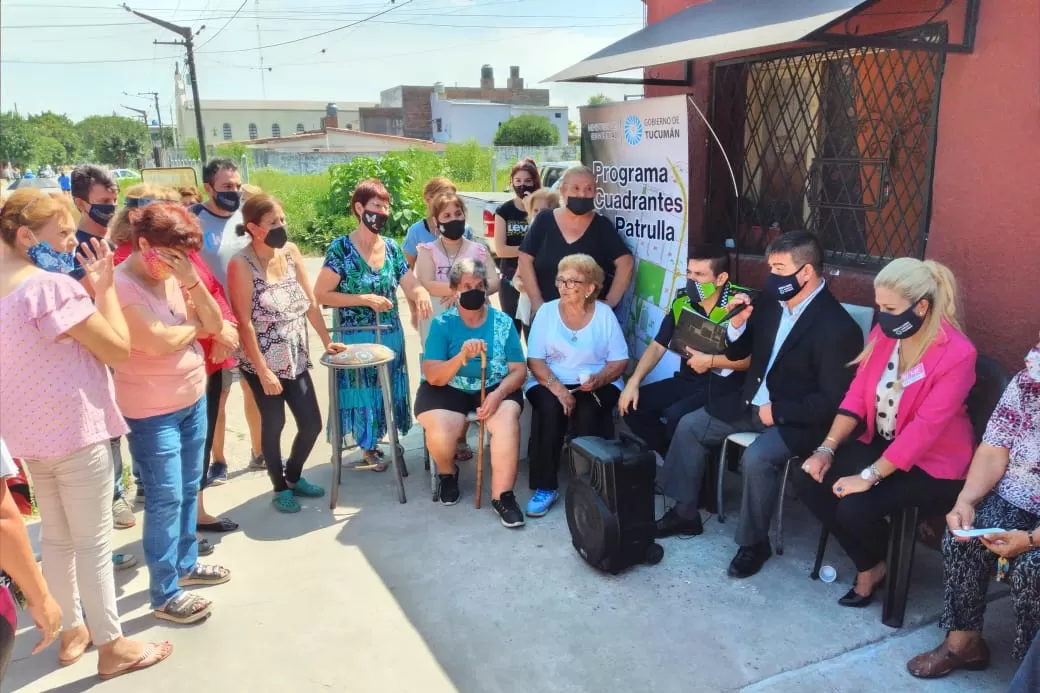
{"x": 225, "y": 24}
{"x": 320, "y": 33}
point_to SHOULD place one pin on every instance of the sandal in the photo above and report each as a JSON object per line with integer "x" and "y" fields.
{"x": 307, "y": 489}
{"x": 223, "y": 524}
{"x": 185, "y": 608}
{"x": 122, "y": 561}
{"x": 205, "y": 548}
{"x": 371, "y": 461}
{"x": 154, "y": 653}
{"x": 285, "y": 501}
{"x": 942, "y": 660}
{"x": 463, "y": 452}
{"x": 203, "y": 574}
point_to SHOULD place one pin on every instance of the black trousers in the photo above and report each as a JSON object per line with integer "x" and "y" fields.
{"x": 549, "y": 426}
{"x": 858, "y": 521}
{"x": 509, "y": 299}
{"x": 214, "y": 388}
{"x": 661, "y": 405}
{"x": 299, "y": 395}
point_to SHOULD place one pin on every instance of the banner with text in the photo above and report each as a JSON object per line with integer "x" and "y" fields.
{"x": 639, "y": 153}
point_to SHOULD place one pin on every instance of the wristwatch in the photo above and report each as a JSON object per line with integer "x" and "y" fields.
{"x": 871, "y": 473}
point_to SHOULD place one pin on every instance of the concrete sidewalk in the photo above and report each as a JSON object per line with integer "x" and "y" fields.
{"x": 378, "y": 596}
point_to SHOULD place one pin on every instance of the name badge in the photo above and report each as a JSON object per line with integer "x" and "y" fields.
{"x": 913, "y": 375}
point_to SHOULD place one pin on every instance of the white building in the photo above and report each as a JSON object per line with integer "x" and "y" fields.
{"x": 341, "y": 140}
{"x": 237, "y": 121}
{"x": 457, "y": 120}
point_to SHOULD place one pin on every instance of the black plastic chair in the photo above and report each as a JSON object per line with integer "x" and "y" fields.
{"x": 990, "y": 381}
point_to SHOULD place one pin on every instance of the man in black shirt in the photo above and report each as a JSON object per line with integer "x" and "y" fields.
{"x": 653, "y": 411}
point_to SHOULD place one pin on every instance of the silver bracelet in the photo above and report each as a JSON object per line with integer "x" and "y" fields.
{"x": 824, "y": 448}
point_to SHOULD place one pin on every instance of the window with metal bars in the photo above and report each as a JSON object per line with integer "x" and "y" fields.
{"x": 840, "y": 142}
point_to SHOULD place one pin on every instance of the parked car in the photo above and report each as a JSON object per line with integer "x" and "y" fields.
{"x": 120, "y": 173}
{"x": 481, "y": 206}
{"x": 552, "y": 171}
{"x": 47, "y": 185}
{"x": 480, "y": 215}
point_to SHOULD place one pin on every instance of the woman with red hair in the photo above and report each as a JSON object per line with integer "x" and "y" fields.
{"x": 360, "y": 278}
{"x": 161, "y": 391}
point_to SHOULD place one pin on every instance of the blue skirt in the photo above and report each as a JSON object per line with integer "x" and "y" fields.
{"x": 361, "y": 412}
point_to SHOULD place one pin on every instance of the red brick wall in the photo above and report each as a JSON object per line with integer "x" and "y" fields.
{"x": 987, "y": 167}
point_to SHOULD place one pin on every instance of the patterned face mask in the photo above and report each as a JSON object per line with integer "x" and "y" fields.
{"x": 44, "y": 256}
{"x": 156, "y": 266}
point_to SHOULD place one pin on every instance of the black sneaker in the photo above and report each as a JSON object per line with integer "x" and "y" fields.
{"x": 448, "y": 487}
{"x": 508, "y": 511}
{"x": 750, "y": 559}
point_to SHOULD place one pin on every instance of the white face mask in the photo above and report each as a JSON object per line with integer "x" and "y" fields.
{"x": 1033, "y": 364}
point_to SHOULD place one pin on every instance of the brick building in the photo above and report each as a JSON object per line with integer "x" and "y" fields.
{"x": 405, "y": 110}
{"x": 887, "y": 127}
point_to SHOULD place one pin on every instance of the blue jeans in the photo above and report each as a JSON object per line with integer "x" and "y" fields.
{"x": 117, "y": 468}
{"x": 167, "y": 450}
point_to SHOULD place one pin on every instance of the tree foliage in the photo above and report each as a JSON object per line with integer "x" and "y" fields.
{"x": 113, "y": 139}
{"x": 597, "y": 99}
{"x": 48, "y": 150}
{"x": 468, "y": 161}
{"x": 16, "y": 140}
{"x": 59, "y": 127}
{"x": 527, "y": 130}
{"x": 192, "y": 149}
{"x": 235, "y": 151}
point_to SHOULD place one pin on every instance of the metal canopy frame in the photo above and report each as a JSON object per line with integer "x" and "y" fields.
{"x": 895, "y": 40}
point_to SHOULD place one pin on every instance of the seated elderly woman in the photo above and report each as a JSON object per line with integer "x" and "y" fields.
{"x": 577, "y": 354}
{"x": 452, "y": 383}
{"x": 1002, "y": 492}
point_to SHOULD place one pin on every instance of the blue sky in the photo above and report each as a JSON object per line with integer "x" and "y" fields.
{"x": 79, "y": 56}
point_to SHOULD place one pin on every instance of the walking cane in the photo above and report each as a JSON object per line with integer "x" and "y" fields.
{"x": 480, "y": 432}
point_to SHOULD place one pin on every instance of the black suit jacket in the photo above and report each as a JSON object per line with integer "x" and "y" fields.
{"x": 810, "y": 376}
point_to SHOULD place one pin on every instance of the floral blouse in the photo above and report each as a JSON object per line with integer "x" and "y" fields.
{"x": 1015, "y": 425}
{"x": 356, "y": 277}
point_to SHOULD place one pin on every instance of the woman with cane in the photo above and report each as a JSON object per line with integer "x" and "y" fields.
{"x": 456, "y": 383}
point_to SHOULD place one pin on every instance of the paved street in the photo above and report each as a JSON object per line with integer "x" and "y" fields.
{"x": 377, "y": 596}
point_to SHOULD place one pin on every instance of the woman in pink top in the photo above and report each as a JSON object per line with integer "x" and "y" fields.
{"x": 58, "y": 412}
{"x": 433, "y": 265}
{"x": 902, "y": 436}
{"x": 161, "y": 390}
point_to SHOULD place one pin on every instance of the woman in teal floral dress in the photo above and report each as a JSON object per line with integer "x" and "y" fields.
{"x": 360, "y": 279}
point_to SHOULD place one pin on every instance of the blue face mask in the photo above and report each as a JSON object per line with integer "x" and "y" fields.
{"x": 101, "y": 214}
{"x": 228, "y": 201}
{"x": 48, "y": 259}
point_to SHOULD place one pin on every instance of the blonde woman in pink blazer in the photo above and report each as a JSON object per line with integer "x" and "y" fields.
{"x": 902, "y": 436}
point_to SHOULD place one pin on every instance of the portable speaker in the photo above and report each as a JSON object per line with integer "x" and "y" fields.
{"x": 610, "y": 502}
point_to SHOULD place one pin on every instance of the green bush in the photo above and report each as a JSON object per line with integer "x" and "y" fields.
{"x": 304, "y": 199}
{"x": 527, "y": 130}
{"x": 468, "y": 162}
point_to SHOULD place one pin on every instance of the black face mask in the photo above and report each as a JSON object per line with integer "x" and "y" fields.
{"x": 228, "y": 200}
{"x": 473, "y": 299}
{"x": 902, "y": 325}
{"x": 784, "y": 288}
{"x": 374, "y": 220}
{"x": 581, "y": 205}
{"x": 101, "y": 214}
{"x": 522, "y": 190}
{"x": 276, "y": 237}
{"x": 454, "y": 229}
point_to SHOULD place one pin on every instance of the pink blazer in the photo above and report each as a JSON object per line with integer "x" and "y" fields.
{"x": 933, "y": 430}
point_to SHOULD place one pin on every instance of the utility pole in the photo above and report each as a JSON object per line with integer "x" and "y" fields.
{"x": 144, "y": 117}
{"x": 260, "y": 50}
{"x": 158, "y": 114}
{"x": 188, "y": 41}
